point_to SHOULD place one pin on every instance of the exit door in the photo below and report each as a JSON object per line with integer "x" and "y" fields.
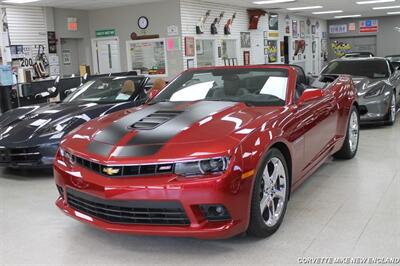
{"x": 106, "y": 56}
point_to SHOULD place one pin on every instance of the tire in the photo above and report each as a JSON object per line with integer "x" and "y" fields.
{"x": 350, "y": 145}
{"x": 273, "y": 197}
{"x": 392, "y": 111}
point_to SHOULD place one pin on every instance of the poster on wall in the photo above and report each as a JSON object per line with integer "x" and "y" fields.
{"x": 313, "y": 30}
{"x": 246, "y": 58}
{"x": 369, "y": 25}
{"x": 189, "y": 46}
{"x": 295, "y": 29}
{"x": 338, "y": 29}
{"x": 341, "y": 48}
{"x": 302, "y": 29}
{"x": 287, "y": 27}
{"x": 66, "y": 55}
{"x": 300, "y": 47}
{"x": 148, "y": 57}
{"x": 272, "y": 49}
{"x": 273, "y": 22}
{"x": 245, "y": 40}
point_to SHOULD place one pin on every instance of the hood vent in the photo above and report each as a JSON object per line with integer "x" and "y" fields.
{"x": 156, "y": 119}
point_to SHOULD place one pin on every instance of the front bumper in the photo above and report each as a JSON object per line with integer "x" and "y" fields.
{"x": 377, "y": 108}
{"x": 231, "y": 192}
{"x": 41, "y": 156}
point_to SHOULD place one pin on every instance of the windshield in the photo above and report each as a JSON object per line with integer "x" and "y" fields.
{"x": 373, "y": 69}
{"x": 106, "y": 90}
{"x": 395, "y": 58}
{"x": 267, "y": 87}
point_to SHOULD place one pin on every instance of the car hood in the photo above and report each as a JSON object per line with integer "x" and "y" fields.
{"x": 364, "y": 84}
{"x": 168, "y": 130}
{"x": 30, "y": 124}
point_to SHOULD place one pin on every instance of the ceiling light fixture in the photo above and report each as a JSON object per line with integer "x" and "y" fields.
{"x": 374, "y": 2}
{"x": 19, "y": 1}
{"x": 348, "y": 16}
{"x": 393, "y": 13}
{"x": 268, "y": 2}
{"x": 328, "y": 12}
{"x": 304, "y": 8}
{"x": 385, "y": 7}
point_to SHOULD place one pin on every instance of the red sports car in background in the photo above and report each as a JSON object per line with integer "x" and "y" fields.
{"x": 215, "y": 154}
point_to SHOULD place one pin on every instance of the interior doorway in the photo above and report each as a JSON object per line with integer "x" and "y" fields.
{"x": 106, "y": 55}
{"x": 70, "y": 56}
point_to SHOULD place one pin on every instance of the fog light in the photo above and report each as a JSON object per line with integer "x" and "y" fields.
{"x": 61, "y": 191}
{"x": 215, "y": 213}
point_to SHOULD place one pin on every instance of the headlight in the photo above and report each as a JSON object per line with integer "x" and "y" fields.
{"x": 202, "y": 167}
{"x": 66, "y": 156}
{"x": 57, "y": 128}
{"x": 375, "y": 92}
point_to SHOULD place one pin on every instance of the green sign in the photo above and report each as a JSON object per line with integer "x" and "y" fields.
{"x": 105, "y": 33}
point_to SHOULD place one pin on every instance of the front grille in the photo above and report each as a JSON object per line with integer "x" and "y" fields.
{"x": 125, "y": 171}
{"x": 20, "y": 155}
{"x": 156, "y": 119}
{"x": 128, "y": 212}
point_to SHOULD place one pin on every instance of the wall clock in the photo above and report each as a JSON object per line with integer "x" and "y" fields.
{"x": 143, "y": 22}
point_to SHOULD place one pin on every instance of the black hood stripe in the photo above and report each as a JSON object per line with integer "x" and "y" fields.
{"x": 149, "y": 142}
{"x": 100, "y": 148}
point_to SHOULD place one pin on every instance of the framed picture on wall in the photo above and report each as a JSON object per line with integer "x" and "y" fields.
{"x": 189, "y": 46}
{"x": 190, "y": 63}
{"x": 313, "y": 30}
{"x": 302, "y": 29}
{"x": 246, "y": 58}
{"x": 295, "y": 29}
{"x": 245, "y": 41}
{"x": 272, "y": 51}
{"x": 150, "y": 56}
{"x": 273, "y": 22}
{"x": 199, "y": 47}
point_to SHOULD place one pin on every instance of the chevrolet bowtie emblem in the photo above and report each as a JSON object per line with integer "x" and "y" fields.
{"x": 111, "y": 171}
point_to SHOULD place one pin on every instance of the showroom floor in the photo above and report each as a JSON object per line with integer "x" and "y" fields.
{"x": 348, "y": 208}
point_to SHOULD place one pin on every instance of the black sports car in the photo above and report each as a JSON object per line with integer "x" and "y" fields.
{"x": 378, "y": 85}
{"x": 30, "y": 135}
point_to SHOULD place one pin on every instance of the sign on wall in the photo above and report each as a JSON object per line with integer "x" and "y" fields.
{"x": 72, "y": 24}
{"x": 338, "y": 29}
{"x": 105, "y": 33}
{"x": 369, "y": 25}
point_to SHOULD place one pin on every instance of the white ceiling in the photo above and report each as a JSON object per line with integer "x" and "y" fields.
{"x": 348, "y": 6}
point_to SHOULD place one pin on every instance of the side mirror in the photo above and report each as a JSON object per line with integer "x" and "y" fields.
{"x": 310, "y": 95}
{"x": 152, "y": 94}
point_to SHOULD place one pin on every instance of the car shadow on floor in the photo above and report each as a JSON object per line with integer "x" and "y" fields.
{"x": 25, "y": 174}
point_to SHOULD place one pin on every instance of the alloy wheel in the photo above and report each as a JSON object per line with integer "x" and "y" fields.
{"x": 273, "y": 191}
{"x": 354, "y": 131}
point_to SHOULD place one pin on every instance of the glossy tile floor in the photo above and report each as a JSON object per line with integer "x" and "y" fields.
{"x": 348, "y": 208}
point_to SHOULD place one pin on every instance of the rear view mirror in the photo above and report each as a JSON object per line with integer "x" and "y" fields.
{"x": 310, "y": 95}
{"x": 152, "y": 94}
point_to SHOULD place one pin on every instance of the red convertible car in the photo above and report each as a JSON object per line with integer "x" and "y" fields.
{"x": 215, "y": 154}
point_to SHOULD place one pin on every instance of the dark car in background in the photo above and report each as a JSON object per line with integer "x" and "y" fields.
{"x": 378, "y": 84}
{"x": 30, "y": 135}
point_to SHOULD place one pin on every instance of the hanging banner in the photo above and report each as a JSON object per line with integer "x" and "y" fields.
{"x": 337, "y": 29}
{"x": 369, "y": 25}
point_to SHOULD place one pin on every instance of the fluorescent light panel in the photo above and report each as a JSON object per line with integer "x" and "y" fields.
{"x": 19, "y": 1}
{"x": 348, "y": 16}
{"x": 393, "y": 13}
{"x": 304, "y": 8}
{"x": 268, "y": 2}
{"x": 328, "y": 12}
{"x": 374, "y": 2}
{"x": 385, "y": 7}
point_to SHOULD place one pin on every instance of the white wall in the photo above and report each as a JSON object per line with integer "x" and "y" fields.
{"x": 124, "y": 20}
